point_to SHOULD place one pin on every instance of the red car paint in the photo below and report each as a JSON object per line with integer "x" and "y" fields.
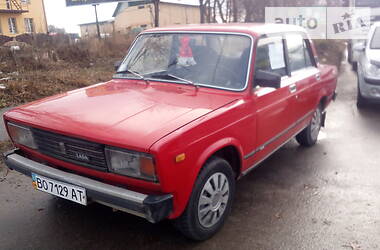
{"x": 166, "y": 119}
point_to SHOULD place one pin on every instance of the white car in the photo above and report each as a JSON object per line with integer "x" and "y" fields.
{"x": 369, "y": 68}
{"x": 352, "y": 54}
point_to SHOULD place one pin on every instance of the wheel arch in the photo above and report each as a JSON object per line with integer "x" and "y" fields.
{"x": 232, "y": 156}
{"x": 323, "y": 102}
{"x": 228, "y": 149}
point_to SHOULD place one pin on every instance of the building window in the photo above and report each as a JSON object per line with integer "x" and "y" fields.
{"x": 8, "y": 3}
{"x": 12, "y": 25}
{"x": 29, "y": 25}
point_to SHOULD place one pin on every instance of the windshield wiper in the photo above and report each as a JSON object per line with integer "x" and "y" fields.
{"x": 173, "y": 77}
{"x": 133, "y": 73}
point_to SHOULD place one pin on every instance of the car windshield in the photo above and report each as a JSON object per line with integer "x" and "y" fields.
{"x": 214, "y": 60}
{"x": 375, "y": 42}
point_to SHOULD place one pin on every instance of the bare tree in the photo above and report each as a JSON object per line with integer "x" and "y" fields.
{"x": 214, "y": 11}
{"x": 251, "y": 10}
{"x": 202, "y": 11}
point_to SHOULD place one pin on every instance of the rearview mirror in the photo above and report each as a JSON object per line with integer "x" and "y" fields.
{"x": 269, "y": 79}
{"x": 117, "y": 65}
{"x": 359, "y": 47}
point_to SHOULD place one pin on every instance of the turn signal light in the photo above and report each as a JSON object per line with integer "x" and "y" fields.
{"x": 180, "y": 157}
{"x": 147, "y": 167}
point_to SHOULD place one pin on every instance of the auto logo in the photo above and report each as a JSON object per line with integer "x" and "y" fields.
{"x": 81, "y": 156}
{"x": 62, "y": 147}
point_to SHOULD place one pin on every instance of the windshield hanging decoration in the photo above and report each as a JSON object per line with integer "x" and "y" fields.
{"x": 185, "y": 57}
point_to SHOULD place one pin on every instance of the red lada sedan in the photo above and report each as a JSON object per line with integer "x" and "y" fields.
{"x": 190, "y": 110}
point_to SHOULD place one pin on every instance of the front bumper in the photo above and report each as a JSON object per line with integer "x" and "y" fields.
{"x": 369, "y": 87}
{"x": 369, "y": 91}
{"x": 151, "y": 207}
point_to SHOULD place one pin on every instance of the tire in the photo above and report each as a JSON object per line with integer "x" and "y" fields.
{"x": 197, "y": 221}
{"x": 354, "y": 66}
{"x": 360, "y": 100}
{"x": 309, "y": 136}
{"x": 349, "y": 53}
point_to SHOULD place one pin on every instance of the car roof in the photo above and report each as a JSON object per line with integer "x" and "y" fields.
{"x": 255, "y": 29}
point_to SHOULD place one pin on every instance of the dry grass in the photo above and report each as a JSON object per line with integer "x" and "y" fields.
{"x": 4, "y": 146}
{"x": 39, "y": 71}
{"x": 32, "y": 85}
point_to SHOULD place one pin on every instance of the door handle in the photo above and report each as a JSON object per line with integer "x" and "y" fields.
{"x": 292, "y": 88}
{"x": 318, "y": 77}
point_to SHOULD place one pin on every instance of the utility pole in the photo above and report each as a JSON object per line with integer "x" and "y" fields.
{"x": 97, "y": 21}
{"x": 156, "y": 13}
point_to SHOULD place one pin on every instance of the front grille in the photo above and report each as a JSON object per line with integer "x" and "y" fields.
{"x": 73, "y": 150}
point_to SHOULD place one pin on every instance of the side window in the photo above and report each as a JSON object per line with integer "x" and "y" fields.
{"x": 270, "y": 55}
{"x": 299, "y": 54}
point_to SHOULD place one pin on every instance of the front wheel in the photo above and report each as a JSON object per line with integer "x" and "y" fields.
{"x": 210, "y": 201}
{"x": 309, "y": 136}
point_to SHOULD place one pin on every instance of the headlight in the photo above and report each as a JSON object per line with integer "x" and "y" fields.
{"x": 371, "y": 70}
{"x": 21, "y": 135}
{"x": 130, "y": 163}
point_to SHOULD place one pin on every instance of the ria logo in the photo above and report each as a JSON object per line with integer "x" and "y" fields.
{"x": 349, "y": 22}
{"x": 324, "y": 22}
{"x": 81, "y": 156}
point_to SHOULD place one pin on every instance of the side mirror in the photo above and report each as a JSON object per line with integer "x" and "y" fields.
{"x": 117, "y": 65}
{"x": 359, "y": 47}
{"x": 269, "y": 79}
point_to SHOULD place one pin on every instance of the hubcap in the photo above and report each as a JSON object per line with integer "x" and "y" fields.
{"x": 213, "y": 200}
{"x": 315, "y": 124}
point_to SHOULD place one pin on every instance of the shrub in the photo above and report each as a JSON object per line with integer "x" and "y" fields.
{"x": 330, "y": 51}
{"x": 4, "y": 39}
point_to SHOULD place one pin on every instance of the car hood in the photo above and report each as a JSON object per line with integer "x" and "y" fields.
{"x": 124, "y": 113}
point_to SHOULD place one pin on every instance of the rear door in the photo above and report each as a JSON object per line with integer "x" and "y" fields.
{"x": 304, "y": 74}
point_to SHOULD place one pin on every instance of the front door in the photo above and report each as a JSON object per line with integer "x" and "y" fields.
{"x": 273, "y": 107}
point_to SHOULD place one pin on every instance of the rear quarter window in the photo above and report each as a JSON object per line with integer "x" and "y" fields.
{"x": 299, "y": 54}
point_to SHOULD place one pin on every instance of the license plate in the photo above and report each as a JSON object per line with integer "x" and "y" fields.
{"x": 60, "y": 189}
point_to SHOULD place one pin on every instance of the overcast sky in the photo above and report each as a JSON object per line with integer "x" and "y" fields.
{"x": 69, "y": 17}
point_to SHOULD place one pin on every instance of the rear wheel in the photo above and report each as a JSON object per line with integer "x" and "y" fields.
{"x": 309, "y": 136}
{"x": 210, "y": 201}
